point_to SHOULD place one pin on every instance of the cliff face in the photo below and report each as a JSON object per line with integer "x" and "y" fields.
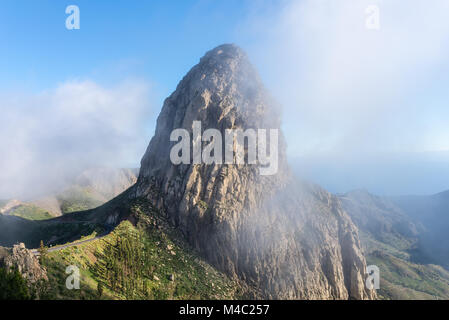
{"x": 287, "y": 239}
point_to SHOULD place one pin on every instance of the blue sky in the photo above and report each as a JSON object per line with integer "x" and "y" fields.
{"x": 160, "y": 40}
{"x": 361, "y": 108}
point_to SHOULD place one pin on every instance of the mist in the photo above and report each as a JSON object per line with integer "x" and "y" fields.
{"x": 362, "y": 108}
{"x": 48, "y": 138}
{"x": 354, "y": 98}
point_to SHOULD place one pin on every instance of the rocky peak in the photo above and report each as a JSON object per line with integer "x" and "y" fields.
{"x": 287, "y": 240}
{"x": 223, "y": 91}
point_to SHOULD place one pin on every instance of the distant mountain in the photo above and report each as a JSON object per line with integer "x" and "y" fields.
{"x": 89, "y": 190}
{"x": 381, "y": 218}
{"x": 7, "y": 205}
{"x": 395, "y": 234}
{"x": 107, "y": 183}
{"x": 433, "y": 213}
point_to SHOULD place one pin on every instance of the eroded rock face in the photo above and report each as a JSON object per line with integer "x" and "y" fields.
{"x": 26, "y": 263}
{"x": 287, "y": 239}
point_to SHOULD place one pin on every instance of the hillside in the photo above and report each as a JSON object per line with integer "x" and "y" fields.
{"x": 66, "y": 228}
{"x": 401, "y": 279}
{"x": 89, "y": 190}
{"x": 432, "y": 212}
{"x": 382, "y": 220}
{"x": 23, "y": 210}
{"x": 143, "y": 257}
{"x": 136, "y": 263}
{"x": 392, "y": 240}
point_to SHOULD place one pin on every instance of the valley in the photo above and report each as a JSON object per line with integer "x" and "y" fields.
{"x": 395, "y": 239}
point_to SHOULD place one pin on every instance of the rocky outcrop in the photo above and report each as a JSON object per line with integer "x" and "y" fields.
{"x": 285, "y": 238}
{"x": 26, "y": 263}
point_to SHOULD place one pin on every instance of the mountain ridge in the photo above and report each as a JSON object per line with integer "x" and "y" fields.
{"x": 90, "y": 189}
{"x": 397, "y": 241}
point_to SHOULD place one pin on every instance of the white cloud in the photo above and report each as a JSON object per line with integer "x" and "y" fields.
{"x": 347, "y": 89}
{"x": 49, "y": 137}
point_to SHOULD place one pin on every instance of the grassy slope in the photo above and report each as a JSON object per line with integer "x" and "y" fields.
{"x": 90, "y": 190}
{"x": 388, "y": 238}
{"x": 157, "y": 253}
{"x": 30, "y": 212}
{"x": 79, "y": 199}
{"x": 62, "y": 229}
{"x": 400, "y": 278}
{"x": 71, "y": 200}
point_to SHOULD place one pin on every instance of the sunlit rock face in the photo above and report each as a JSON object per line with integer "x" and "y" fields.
{"x": 284, "y": 238}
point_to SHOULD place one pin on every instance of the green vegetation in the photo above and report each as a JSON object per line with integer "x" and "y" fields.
{"x": 396, "y": 247}
{"x": 43, "y": 252}
{"x": 391, "y": 241}
{"x": 100, "y": 289}
{"x": 402, "y": 279}
{"x": 203, "y": 205}
{"x": 78, "y": 199}
{"x": 13, "y": 286}
{"x": 145, "y": 261}
{"x": 30, "y": 212}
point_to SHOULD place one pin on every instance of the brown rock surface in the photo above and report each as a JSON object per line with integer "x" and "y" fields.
{"x": 287, "y": 239}
{"x": 26, "y": 263}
